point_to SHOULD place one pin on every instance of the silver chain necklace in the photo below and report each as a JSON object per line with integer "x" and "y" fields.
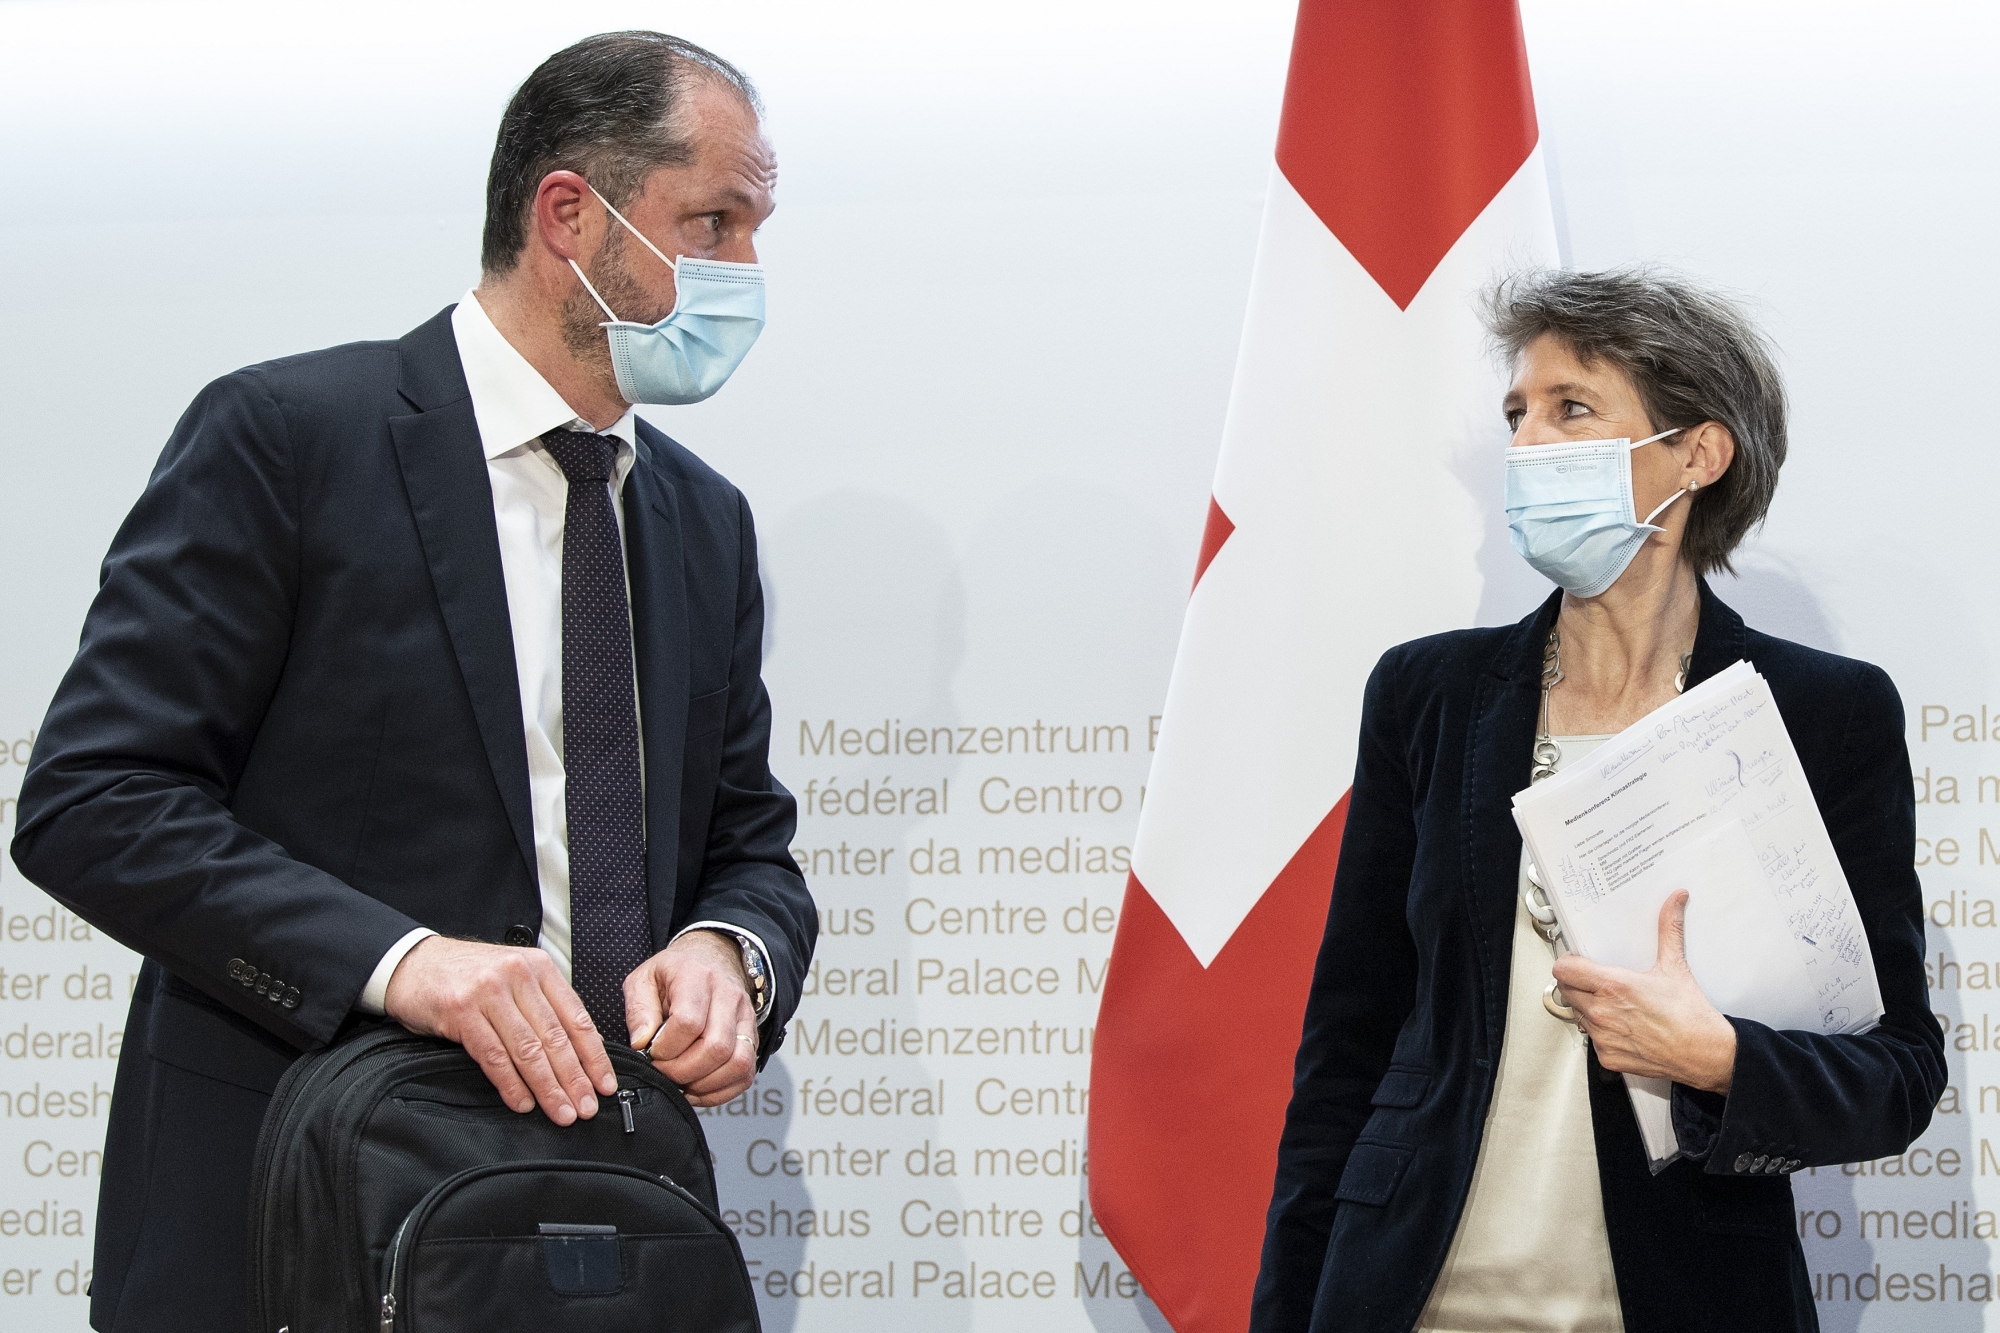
{"x": 1548, "y": 757}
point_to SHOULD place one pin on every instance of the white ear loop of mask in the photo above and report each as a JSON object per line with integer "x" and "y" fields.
{"x": 593, "y": 293}
{"x": 1648, "y": 520}
{"x": 650, "y": 246}
{"x": 1553, "y": 444}
{"x": 1660, "y": 508}
{"x": 656, "y": 249}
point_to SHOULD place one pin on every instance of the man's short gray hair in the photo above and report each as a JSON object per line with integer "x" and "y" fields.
{"x": 1694, "y": 357}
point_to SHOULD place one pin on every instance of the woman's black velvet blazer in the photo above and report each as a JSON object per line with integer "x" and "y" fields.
{"x": 1402, "y": 1031}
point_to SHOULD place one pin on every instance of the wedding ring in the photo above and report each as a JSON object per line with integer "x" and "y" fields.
{"x": 744, "y": 1036}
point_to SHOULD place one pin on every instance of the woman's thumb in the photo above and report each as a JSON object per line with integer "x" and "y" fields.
{"x": 1673, "y": 930}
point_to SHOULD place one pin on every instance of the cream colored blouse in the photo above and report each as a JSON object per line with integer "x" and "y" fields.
{"x": 1531, "y": 1254}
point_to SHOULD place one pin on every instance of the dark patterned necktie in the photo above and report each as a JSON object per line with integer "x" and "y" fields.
{"x": 610, "y": 922}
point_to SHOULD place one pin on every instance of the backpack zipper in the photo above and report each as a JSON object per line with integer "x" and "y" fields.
{"x": 628, "y": 1099}
{"x": 274, "y": 1141}
{"x": 356, "y": 1105}
{"x": 390, "y": 1262}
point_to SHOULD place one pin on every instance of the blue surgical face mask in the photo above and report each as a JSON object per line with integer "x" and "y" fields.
{"x": 1569, "y": 510}
{"x": 718, "y": 313}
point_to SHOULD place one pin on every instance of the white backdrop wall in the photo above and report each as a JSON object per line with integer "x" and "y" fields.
{"x": 1008, "y": 274}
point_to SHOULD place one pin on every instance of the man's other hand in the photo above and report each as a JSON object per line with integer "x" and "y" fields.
{"x": 689, "y": 1009}
{"x": 512, "y": 1012}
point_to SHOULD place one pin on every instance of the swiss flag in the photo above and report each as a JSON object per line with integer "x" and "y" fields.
{"x": 1350, "y": 499}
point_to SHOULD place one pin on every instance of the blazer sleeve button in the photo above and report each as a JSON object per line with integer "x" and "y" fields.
{"x": 1743, "y": 1163}
{"x": 240, "y": 970}
{"x": 291, "y": 1000}
{"x": 521, "y": 937}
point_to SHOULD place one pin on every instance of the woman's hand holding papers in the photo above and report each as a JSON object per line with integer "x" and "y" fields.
{"x": 1655, "y": 1024}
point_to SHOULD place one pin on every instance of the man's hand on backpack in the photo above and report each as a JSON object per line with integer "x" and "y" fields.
{"x": 512, "y": 1012}
{"x": 689, "y": 1009}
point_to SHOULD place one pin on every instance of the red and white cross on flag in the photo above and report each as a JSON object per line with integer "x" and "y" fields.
{"x": 1342, "y": 522}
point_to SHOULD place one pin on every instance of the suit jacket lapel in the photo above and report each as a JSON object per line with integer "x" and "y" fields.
{"x": 1498, "y": 760}
{"x": 444, "y": 475}
{"x": 658, "y": 574}
{"x": 1718, "y": 640}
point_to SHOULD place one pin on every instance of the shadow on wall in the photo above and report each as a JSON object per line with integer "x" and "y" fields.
{"x": 766, "y": 1207}
{"x": 863, "y": 601}
{"x": 1103, "y": 642}
{"x": 1866, "y": 1223}
{"x": 1830, "y": 1231}
{"x": 802, "y": 1249}
{"x": 1509, "y": 589}
{"x": 1080, "y": 594}
{"x": 1856, "y": 1221}
{"x": 1952, "y": 1202}
{"x": 865, "y": 620}
{"x": 1110, "y": 1309}
{"x": 1773, "y": 595}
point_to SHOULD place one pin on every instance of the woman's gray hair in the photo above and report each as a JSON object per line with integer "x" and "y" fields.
{"x": 1694, "y": 357}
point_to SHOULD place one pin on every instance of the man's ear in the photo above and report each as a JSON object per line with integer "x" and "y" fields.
{"x": 566, "y": 223}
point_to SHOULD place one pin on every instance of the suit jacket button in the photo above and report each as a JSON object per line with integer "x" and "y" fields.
{"x": 291, "y": 1000}
{"x": 240, "y": 970}
{"x": 1743, "y": 1163}
{"x": 1757, "y": 1165}
{"x": 520, "y": 937}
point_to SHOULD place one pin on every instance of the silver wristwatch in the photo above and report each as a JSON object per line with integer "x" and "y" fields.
{"x": 755, "y": 972}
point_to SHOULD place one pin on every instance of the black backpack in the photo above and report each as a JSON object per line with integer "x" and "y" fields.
{"x": 393, "y": 1190}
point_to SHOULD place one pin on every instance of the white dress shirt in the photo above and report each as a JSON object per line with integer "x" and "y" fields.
{"x": 514, "y": 407}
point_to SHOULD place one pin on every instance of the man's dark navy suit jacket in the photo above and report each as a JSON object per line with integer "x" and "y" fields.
{"x": 1401, "y": 1048}
{"x": 293, "y": 733}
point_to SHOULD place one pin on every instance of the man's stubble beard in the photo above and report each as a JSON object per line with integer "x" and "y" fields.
{"x": 583, "y": 319}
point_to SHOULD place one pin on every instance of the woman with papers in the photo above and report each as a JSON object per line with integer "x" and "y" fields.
{"x": 1715, "y": 898}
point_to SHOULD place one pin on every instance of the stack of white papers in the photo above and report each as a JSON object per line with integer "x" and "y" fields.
{"x": 1706, "y": 794}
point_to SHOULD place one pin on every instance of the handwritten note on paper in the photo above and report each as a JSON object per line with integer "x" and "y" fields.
{"x": 1717, "y": 756}
{"x": 1706, "y": 793}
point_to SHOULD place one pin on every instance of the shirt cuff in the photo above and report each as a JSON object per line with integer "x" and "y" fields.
{"x": 770, "y": 978}
{"x": 375, "y": 995}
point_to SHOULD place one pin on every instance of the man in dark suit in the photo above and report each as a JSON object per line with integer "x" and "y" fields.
{"x": 415, "y": 656}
